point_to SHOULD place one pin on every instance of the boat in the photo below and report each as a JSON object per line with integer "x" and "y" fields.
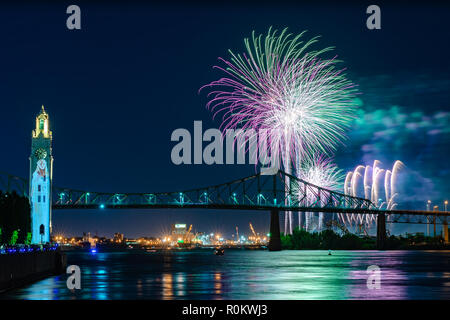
{"x": 219, "y": 252}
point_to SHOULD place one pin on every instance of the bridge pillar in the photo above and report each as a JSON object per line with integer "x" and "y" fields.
{"x": 381, "y": 231}
{"x": 275, "y": 239}
{"x": 445, "y": 227}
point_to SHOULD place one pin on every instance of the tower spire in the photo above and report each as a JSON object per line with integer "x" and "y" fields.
{"x": 42, "y": 125}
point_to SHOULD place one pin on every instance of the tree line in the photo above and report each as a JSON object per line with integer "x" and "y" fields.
{"x": 330, "y": 240}
{"x": 325, "y": 240}
{"x": 15, "y": 219}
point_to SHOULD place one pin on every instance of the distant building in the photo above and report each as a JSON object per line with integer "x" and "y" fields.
{"x": 181, "y": 234}
{"x": 178, "y": 229}
{"x": 118, "y": 237}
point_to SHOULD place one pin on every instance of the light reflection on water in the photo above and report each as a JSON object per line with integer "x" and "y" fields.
{"x": 249, "y": 275}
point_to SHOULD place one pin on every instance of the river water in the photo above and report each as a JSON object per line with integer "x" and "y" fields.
{"x": 247, "y": 274}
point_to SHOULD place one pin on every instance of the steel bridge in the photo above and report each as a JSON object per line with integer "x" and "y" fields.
{"x": 255, "y": 192}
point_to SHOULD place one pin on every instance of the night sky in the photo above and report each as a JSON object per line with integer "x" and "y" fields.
{"x": 116, "y": 89}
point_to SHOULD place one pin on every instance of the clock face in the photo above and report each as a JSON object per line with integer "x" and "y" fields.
{"x": 40, "y": 153}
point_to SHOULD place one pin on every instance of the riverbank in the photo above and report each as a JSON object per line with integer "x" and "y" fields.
{"x": 19, "y": 269}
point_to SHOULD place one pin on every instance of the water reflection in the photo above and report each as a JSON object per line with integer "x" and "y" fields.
{"x": 393, "y": 279}
{"x": 181, "y": 279}
{"x": 102, "y": 280}
{"x": 218, "y": 283}
{"x": 167, "y": 281}
{"x": 249, "y": 275}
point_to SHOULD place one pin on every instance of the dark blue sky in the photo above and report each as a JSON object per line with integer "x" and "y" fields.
{"x": 116, "y": 89}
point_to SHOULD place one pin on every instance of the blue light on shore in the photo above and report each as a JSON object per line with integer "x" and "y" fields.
{"x": 18, "y": 249}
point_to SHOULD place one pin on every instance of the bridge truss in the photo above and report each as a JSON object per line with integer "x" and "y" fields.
{"x": 255, "y": 192}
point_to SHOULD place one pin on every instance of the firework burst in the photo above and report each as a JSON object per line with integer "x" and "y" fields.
{"x": 280, "y": 85}
{"x": 323, "y": 173}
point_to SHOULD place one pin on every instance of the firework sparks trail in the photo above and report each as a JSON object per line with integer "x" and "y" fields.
{"x": 373, "y": 182}
{"x": 367, "y": 181}
{"x": 280, "y": 85}
{"x": 323, "y": 173}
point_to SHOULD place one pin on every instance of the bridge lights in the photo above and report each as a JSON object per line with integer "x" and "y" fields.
{"x": 234, "y": 198}
{"x": 181, "y": 198}
{"x": 205, "y": 195}
{"x": 151, "y": 198}
{"x": 259, "y": 198}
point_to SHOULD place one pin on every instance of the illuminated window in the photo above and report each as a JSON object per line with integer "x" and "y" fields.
{"x": 41, "y": 124}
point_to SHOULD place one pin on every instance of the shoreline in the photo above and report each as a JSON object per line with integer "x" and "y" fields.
{"x": 206, "y": 249}
{"x": 20, "y": 269}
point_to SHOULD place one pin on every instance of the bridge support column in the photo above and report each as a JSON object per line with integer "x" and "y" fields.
{"x": 275, "y": 239}
{"x": 381, "y": 231}
{"x": 445, "y": 227}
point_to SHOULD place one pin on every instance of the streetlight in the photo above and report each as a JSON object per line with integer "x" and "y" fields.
{"x": 428, "y": 218}
{"x": 435, "y": 209}
{"x": 445, "y": 205}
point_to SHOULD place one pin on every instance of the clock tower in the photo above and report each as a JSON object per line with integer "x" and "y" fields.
{"x": 41, "y": 173}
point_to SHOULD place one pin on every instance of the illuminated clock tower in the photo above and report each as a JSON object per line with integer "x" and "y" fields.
{"x": 41, "y": 172}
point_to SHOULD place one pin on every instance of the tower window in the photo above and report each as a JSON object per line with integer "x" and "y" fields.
{"x": 41, "y": 124}
{"x": 43, "y": 199}
{"x": 39, "y": 198}
{"x": 39, "y": 187}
